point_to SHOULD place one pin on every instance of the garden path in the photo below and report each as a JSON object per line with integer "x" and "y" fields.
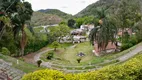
{"x": 123, "y": 58}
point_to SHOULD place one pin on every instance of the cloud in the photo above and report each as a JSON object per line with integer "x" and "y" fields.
{"x": 64, "y": 7}
{"x": 83, "y": 2}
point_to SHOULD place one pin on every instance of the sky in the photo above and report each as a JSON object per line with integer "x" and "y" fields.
{"x": 68, "y": 6}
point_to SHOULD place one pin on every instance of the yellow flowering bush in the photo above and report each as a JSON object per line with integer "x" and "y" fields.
{"x": 130, "y": 70}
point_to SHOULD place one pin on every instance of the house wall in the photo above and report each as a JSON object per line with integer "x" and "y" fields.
{"x": 111, "y": 47}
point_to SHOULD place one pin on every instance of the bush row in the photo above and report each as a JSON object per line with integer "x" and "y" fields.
{"x": 130, "y": 70}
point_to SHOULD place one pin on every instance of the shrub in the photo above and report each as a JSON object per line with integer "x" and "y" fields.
{"x": 126, "y": 46}
{"x": 21, "y": 58}
{"x": 39, "y": 63}
{"x": 5, "y": 51}
{"x": 133, "y": 40}
{"x": 55, "y": 44}
{"x": 130, "y": 70}
{"x": 44, "y": 75}
{"x": 78, "y": 60}
{"x": 50, "y": 55}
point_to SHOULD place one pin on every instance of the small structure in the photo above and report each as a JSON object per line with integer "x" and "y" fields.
{"x": 130, "y": 32}
{"x": 79, "y": 39}
{"x": 77, "y": 32}
{"x": 81, "y": 54}
{"x": 87, "y": 27}
{"x": 111, "y": 47}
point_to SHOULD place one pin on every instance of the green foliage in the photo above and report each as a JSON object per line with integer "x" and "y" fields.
{"x": 58, "y": 32}
{"x": 35, "y": 42}
{"x": 56, "y": 12}
{"x": 71, "y": 23}
{"x": 129, "y": 41}
{"x": 39, "y": 62}
{"x": 55, "y": 44}
{"x": 23, "y": 66}
{"x": 5, "y": 51}
{"x": 126, "y": 46}
{"x": 78, "y": 60}
{"x": 44, "y": 75}
{"x": 130, "y": 70}
{"x": 39, "y": 19}
{"x": 50, "y": 55}
{"x": 84, "y": 20}
{"x": 9, "y": 42}
{"x": 105, "y": 31}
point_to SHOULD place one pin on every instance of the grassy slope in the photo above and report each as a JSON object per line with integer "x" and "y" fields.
{"x": 130, "y": 70}
{"x": 68, "y": 56}
{"x": 39, "y": 19}
{"x": 23, "y": 66}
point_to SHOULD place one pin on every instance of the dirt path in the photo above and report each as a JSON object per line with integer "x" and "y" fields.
{"x": 121, "y": 58}
{"x": 130, "y": 54}
{"x": 37, "y": 56}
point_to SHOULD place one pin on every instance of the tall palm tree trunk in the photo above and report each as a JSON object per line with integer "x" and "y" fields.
{"x": 23, "y": 41}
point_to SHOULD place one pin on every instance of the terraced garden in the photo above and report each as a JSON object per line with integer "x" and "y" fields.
{"x": 66, "y": 59}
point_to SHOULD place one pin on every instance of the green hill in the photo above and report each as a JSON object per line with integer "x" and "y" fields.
{"x": 111, "y": 5}
{"x": 49, "y": 16}
{"x": 40, "y": 18}
{"x": 56, "y": 12}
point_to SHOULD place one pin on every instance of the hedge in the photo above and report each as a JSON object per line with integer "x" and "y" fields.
{"x": 130, "y": 70}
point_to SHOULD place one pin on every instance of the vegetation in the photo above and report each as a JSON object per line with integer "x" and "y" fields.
{"x": 104, "y": 32}
{"x": 40, "y": 19}
{"x": 5, "y": 51}
{"x": 84, "y": 20}
{"x": 71, "y": 23}
{"x": 18, "y": 22}
{"x": 58, "y": 32}
{"x": 39, "y": 63}
{"x": 57, "y": 12}
{"x": 23, "y": 66}
{"x": 55, "y": 44}
{"x": 128, "y": 70}
{"x": 50, "y": 55}
{"x": 36, "y": 41}
{"x": 68, "y": 56}
{"x": 18, "y": 38}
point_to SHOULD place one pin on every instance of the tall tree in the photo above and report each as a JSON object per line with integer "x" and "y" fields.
{"x": 104, "y": 31}
{"x": 19, "y": 20}
{"x": 128, "y": 14}
{"x": 71, "y": 23}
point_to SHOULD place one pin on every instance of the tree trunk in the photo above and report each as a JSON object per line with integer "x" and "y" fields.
{"x": 55, "y": 49}
{"x": 23, "y": 41}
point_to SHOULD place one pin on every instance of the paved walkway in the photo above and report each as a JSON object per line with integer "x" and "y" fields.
{"x": 13, "y": 73}
{"x": 121, "y": 59}
{"x": 37, "y": 57}
{"x": 130, "y": 54}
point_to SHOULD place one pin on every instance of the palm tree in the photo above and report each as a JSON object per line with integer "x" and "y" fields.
{"x": 16, "y": 13}
{"x": 19, "y": 20}
{"x": 105, "y": 30}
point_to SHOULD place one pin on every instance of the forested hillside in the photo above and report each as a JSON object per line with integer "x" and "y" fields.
{"x": 56, "y": 12}
{"x": 49, "y": 16}
{"x": 111, "y": 5}
{"x": 40, "y": 18}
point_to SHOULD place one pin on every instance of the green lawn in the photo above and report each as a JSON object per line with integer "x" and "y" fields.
{"x": 68, "y": 56}
{"x": 112, "y": 55}
{"x": 23, "y": 66}
{"x": 62, "y": 45}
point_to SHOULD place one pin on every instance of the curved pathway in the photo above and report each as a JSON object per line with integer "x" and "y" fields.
{"x": 121, "y": 59}
{"x": 37, "y": 57}
{"x": 130, "y": 54}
